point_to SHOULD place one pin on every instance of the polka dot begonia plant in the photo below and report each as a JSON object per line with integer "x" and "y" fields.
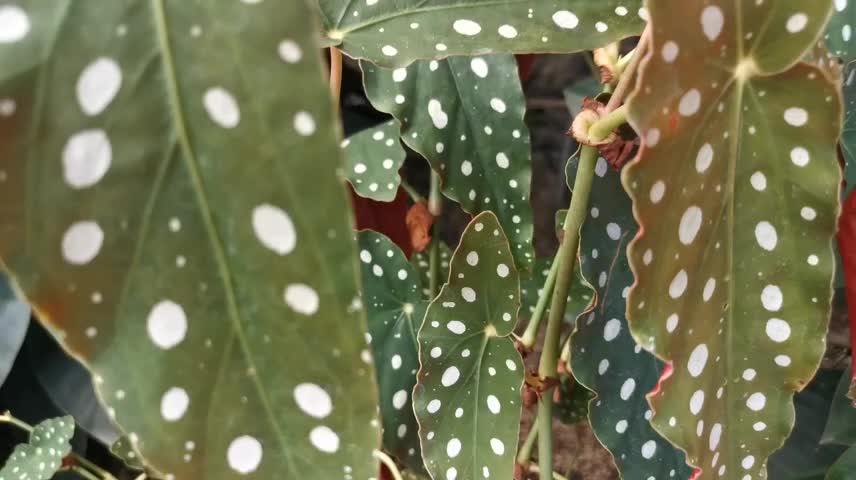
{"x": 604, "y": 356}
{"x": 395, "y": 33}
{"x": 395, "y": 305}
{"x": 42, "y": 456}
{"x": 372, "y": 160}
{"x": 465, "y": 116}
{"x": 736, "y": 191}
{"x": 467, "y": 395}
{"x": 177, "y": 221}
{"x": 173, "y": 207}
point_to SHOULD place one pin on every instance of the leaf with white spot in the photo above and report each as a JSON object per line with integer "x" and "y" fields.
{"x": 372, "y": 160}
{"x": 42, "y": 456}
{"x": 467, "y": 395}
{"x": 393, "y": 299}
{"x": 171, "y": 208}
{"x": 736, "y": 190}
{"x": 465, "y": 115}
{"x": 124, "y": 450}
{"x": 395, "y": 33}
{"x": 841, "y": 31}
{"x": 14, "y": 320}
{"x": 604, "y": 356}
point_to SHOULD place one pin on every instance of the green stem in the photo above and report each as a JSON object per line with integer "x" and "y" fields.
{"x": 606, "y": 125}
{"x": 628, "y": 70}
{"x": 435, "y": 207}
{"x": 530, "y": 335}
{"x": 535, "y": 469}
{"x": 7, "y": 417}
{"x": 390, "y": 464}
{"x": 100, "y": 472}
{"x": 566, "y": 258}
{"x": 414, "y": 195}
{"x": 82, "y": 472}
{"x": 525, "y": 453}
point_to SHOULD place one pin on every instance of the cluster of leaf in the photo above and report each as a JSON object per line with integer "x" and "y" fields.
{"x": 170, "y": 206}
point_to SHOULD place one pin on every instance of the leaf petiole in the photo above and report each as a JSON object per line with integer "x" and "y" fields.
{"x": 530, "y": 335}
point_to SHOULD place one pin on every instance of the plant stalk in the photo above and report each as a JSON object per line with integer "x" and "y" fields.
{"x": 606, "y": 125}
{"x": 566, "y": 258}
{"x": 414, "y": 195}
{"x": 629, "y": 72}
{"x": 525, "y": 454}
{"x": 82, "y": 472}
{"x": 335, "y": 75}
{"x": 435, "y": 207}
{"x": 556, "y": 476}
{"x": 530, "y": 335}
{"x": 390, "y": 464}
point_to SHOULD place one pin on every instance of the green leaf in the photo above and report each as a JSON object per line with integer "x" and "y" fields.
{"x": 397, "y": 33}
{"x": 372, "y": 160}
{"x": 14, "y": 320}
{"x": 736, "y": 191}
{"x": 124, "y": 450}
{"x": 467, "y": 395}
{"x": 393, "y": 299}
{"x": 465, "y": 115}
{"x": 841, "y": 423}
{"x": 604, "y": 356}
{"x": 42, "y": 456}
{"x": 845, "y": 466}
{"x": 840, "y": 37}
{"x": 163, "y": 163}
{"x": 803, "y": 456}
{"x": 421, "y": 261}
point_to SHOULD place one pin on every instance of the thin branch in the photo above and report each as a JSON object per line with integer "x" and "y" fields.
{"x": 335, "y": 75}
{"x": 390, "y": 464}
{"x": 629, "y": 73}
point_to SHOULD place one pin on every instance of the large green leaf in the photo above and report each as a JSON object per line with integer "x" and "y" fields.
{"x": 844, "y": 468}
{"x": 841, "y": 423}
{"x": 393, "y": 299}
{"x": 803, "y": 456}
{"x": 736, "y": 191}
{"x": 42, "y": 456}
{"x": 840, "y": 32}
{"x": 14, "y": 320}
{"x": 396, "y": 33}
{"x": 467, "y": 395}
{"x": 171, "y": 208}
{"x": 372, "y": 160}
{"x": 604, "y": 356}
{"x": 465, "y": 115}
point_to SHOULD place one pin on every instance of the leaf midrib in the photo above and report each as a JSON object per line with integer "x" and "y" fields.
{"x": 191, "y": 163}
